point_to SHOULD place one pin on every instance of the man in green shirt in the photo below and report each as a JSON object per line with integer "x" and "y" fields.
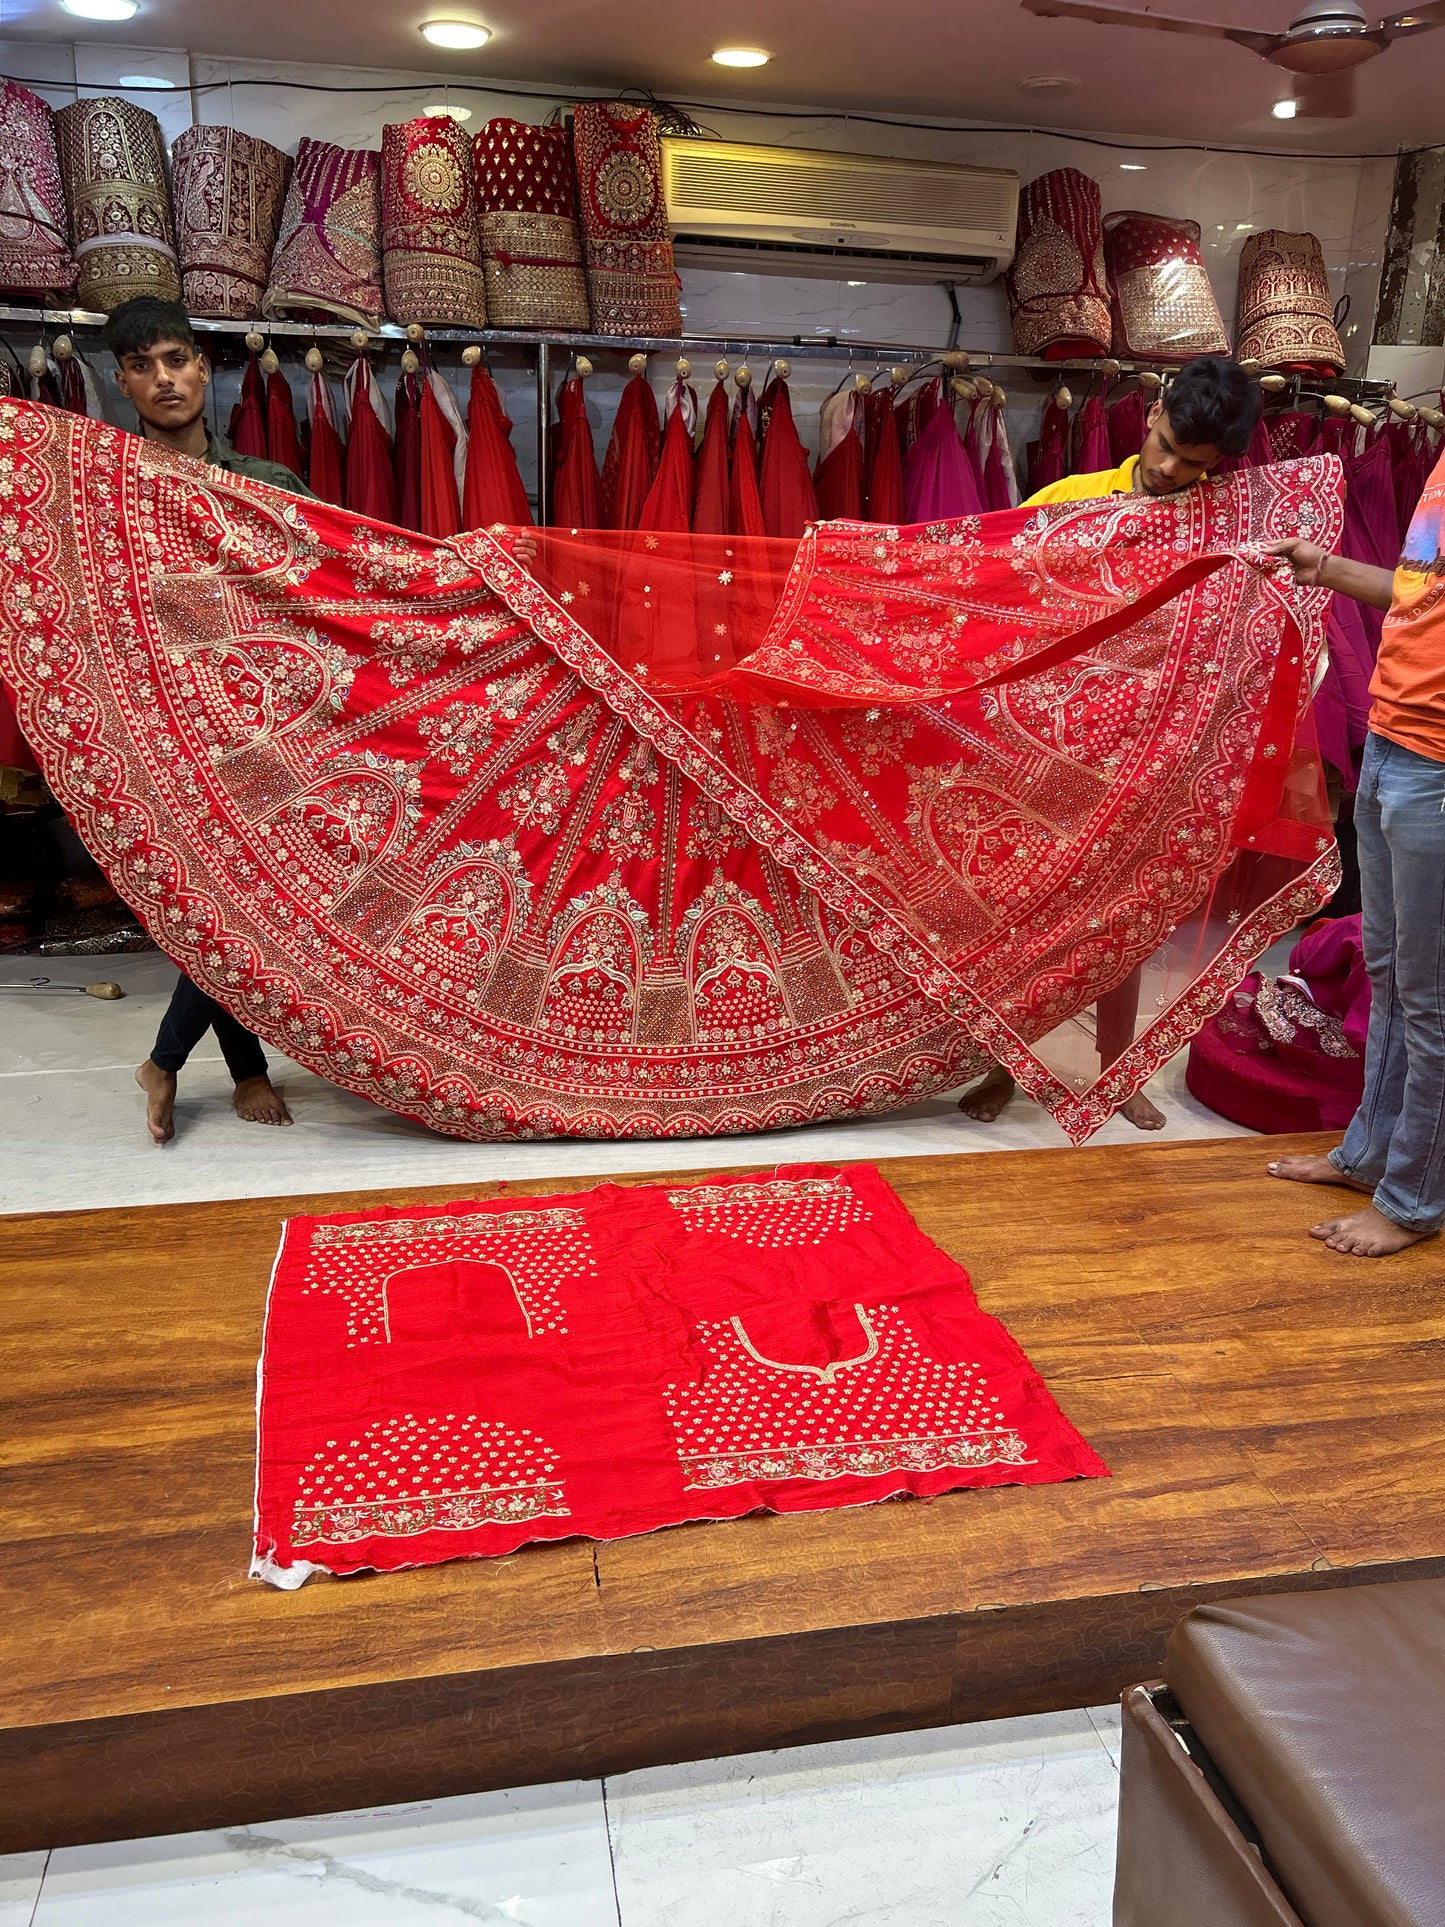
{"x": 165, "y": 377}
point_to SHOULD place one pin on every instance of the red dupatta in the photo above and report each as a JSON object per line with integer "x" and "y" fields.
{"x": 632, "y": 455}
{"x": 493, "y": 490}
{"x": 669, "y": 500}
{"x": 576, "y": 491}
{"x": 714, "y": 835}
{"x": 248, "y": 417}
{"x": 370, "y": 478}
{"x": 283, "y": 444}
{"x": 745, "y": 503}
{"x": 326, "y": 454}
{"x": 710, "y": 501}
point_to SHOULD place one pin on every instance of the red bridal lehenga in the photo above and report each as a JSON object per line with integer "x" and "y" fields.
{"x": 675, "y": 834}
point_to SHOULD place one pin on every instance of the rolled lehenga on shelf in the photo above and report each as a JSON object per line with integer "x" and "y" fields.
{"x": 113, "y": 165}
{"x": 35, "y": 257}
{"x": 675, "y": 834}
{"x": 527, "y": 191}
{"x": 230, "y": 189}
{"x": 327, "y": 264}
{"x": 431, "y": 237}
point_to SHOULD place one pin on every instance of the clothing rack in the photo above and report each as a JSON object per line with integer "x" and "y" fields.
{"x": 796, "y": 348}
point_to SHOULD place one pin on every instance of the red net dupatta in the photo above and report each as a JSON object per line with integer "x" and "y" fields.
{"x": 1286, "y": 311}
{"x": 328, "y": 253}
{"x": 1057, "y": 291}
{"x": 1164, "y": 305}
{"x": 671, "y": 834}
{"x": 113, "y": 167}
{"x": 430, "y": 226}
{"x": 229, "y": 190}
{"x": 457, "y": 1380}
{"x": 527, "y": 192}
{"x": 35, "y": 255}
{"x": 628, "y": 244}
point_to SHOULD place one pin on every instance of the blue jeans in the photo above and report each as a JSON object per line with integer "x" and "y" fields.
{"x": 1396, "y": 1140}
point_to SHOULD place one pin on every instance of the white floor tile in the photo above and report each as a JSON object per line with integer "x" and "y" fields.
{"x": 1005, "y": 1824}
{"x": 72, "y": 1132}
{"x": 19, "y": 1887}
{"x": 537, "y": 1857}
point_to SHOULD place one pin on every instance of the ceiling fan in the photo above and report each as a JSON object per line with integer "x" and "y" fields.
{"x": 1322, "y": 45}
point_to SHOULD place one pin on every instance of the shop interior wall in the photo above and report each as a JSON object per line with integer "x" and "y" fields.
{"x": 1345, "y": 201}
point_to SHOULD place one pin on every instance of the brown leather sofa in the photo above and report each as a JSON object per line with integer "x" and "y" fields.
{"x": 1290, "y": 1769}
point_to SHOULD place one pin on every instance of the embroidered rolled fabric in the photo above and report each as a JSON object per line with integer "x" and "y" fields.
{"x": 35, "y": 255}
{"x": 1057, "y": 290}
{"x": 531, "y": 243}
{"x": 1286, "y": 315}
{"x": 113, "y": 168}
{"x": 1164, "y": 306}
{"x": 328, "y": 255}
{"x": 230, "y": 189}
{"x": 431, "y": 240}
{"x": 630, "y": 274}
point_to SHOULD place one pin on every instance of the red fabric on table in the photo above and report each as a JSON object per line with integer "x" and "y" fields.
{"x": 326, "y": 452}
{"x": 884, "y": 458}
{"x": 406, "y": 451}
{"x": 633, "y": 452}
{"x": 784, "y": 483}
{"x": 441, "y": 513}
{"x": 458, "y": 1381}
{"x": 576, "y": 485}
{"x": 745, "y": 503}
{"x": 370, "y": 471}
{"x": 283, "y": 444}
{"x": 493, "y": 490}
{"x": 711, "y": 495}
{"x": 248, "y": 417}
{"x": 669, "y": 500}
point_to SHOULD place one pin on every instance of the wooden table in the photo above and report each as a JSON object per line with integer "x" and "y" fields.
{"x": 1272, "y": 1414}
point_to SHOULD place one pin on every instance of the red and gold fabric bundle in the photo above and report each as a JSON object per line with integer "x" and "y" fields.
{"x": 431, "y": 237}
{"x": 1164, "y": 306}
{"x": 532, "y": 246}
{"x": 630, "y": 271}
{"x": 328, "y": 257}
{"x": 230, "y": 188}
{"x": 1058, "y": 295}
{"x": 113, "y": 166}
{"x": 1286, "y": 316}
{"x": 35, "y": 255}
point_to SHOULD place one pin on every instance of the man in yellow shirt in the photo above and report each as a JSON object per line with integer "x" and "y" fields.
{"x": 1208, "y": 414}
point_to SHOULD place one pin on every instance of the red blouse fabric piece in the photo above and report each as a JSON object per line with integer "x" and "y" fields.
{"x": 370, "y": 473}
{"x": 326, "y": 452}
{"x": 631, "y": 279}
{"x": 493, "y": 490}
{"x": 784, "y": 483}
{"x": 532, "y": 245}
{"x": 576, "y": 485}
{"x": 431, "y": 235}
{"x": 35, "y": 255}
{"x": 458, "y": 1381}
{"x": 711, "y": 498}
{"x": 536, "y": 851}
{"x": 327, "y": 264}
{"x": 633, "y": 452}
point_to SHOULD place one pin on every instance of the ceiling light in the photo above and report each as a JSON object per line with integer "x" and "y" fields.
{"x": 143, "y": 80}
{"x": 1048, "y": 86}
{"x": 1132, "y": 167}
{"x": 460, "y": 35}
{"x": 741, "y": 57}
{"x": 103, "y": 9}
{"x": 856, "y": 284}
{"x": 1244, "y": 227}
{"x": 1285, "y": 109}
{"x": 443, "y": 110}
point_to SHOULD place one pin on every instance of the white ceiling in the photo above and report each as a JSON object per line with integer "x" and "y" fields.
{"x": 963, "y": 59}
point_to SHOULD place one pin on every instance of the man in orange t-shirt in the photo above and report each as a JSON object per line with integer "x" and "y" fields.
{"x": 1394, "y": 1147}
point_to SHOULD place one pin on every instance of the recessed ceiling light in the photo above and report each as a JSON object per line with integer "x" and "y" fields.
{"x": 1048, "y": 86}
{"x": 460, "y": 35}
{"x": 1133, "y": 167}
{"x": 741, "y": 57}
{"x": 143, "y": 80}
{"x": 1285, "y": 109}
{"x": 857, "y": 284}
{"x": 443, "y": 110}
{"x": 103, "y": 9}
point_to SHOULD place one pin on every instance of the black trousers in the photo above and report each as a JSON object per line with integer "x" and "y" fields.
{"x": 192, "y": 1013}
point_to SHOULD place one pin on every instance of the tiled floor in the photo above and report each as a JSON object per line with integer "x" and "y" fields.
{"x": 1006, "y": 1824}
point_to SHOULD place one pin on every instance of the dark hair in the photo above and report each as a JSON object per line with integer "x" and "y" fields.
{"x": 142, "y": 321}
{"x": 1213, "y": 403}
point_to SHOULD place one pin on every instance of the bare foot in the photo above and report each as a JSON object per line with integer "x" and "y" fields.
{"x": 160, "y": 1089}
{"x": 985, "y": 1100}
{"x": 1309, "y": 1169}
{"x": 259, "y": 1102}
{"x": 1366, "y": 1234}
{"x": 1142, "y": 1112}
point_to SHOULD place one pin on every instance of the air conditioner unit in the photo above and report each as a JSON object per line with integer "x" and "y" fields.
{"x": 796, "y": 210}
